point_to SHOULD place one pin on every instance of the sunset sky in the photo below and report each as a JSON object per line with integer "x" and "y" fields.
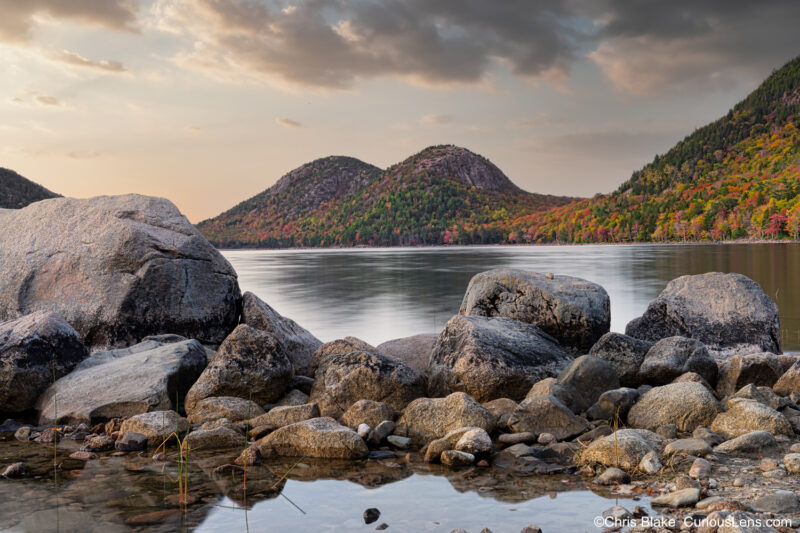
{"x": 207, "y": 102}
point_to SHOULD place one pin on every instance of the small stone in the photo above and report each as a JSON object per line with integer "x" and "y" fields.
{"x": 639, "y": 511}
{"x": 456, "y": 458}
{"x": 399, "y": 442}
{"x": 525, "y": 437}
{"x": 650, "y": 463}
{"x": 613, "y": 476}
{"x": 250, "y": 456}
{"x": 617, "y": 513}
{"x": 795, "y": 448}
{"x": 792, "y": 462}
{"x": 99, "y": 443}
{"x": 679, "y": 498}
{"x": 382, "y": 430}
{"x": 778, "y": 502}
{"x": 700, "y": 469}
{"x": 738, "y": 482}
{"x": 364, "y": 430}
{"x": 371, "y": 515}
{"x": 685, "y": 482}
{"x": 258, "y": 432}
{"x": 23, "y": 433}
{"x": 83, "y": 456}
{"x": 706, "y": 502}
{"x": 382, "y": 526}
{"x": 474, "y": 441}
{"x": 15, "y": 470}
{"x": 531, "y": 529}
{"x": 434, "y": 450}
{"x": 767, "y": 464}
{"x": 546, "y": 438}
{"x": 131, "y": 442}
{"x": 483, "y": 463}
{"x": 668, "y": 431}
{"x": 160, "y": 457}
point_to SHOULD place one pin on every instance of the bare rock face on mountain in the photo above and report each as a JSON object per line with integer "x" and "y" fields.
{"x": 491, "y": 358}
{"x": 34, "y": 350}
{"x": 296, "y": 342}
{"x": 453, "y": 161}
{"x": 574, "y": 311}
{"x": 729, "y": 313}
{"x": 117, "y": 268}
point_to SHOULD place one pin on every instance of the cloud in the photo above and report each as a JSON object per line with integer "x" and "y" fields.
{"x": 288, "y": 123}
{"x": 72, "y": 58}
{"x": 334, "y": 44}
{"x": 19, "y": 16}
{"x": 437, "y": 120}
{"x": 48, "y": 100}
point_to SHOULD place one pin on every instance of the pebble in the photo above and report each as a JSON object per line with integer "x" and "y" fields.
{"x": 767, "y": 464}
{"x": 382, "y": 527}
{"x": 83, "y": 456}
{"x": 546, "y": 438}
{"x": 525, "y": 437}
{"x": 399, "y": 442}
{"x": 650, "y": 463}
{"x": 364, "y": 430}
{"x": 15, "y": 470}
{"x": 700, "y": 469}
{"x": 702, "y": 504}
{"x": 738, "y": 482}
{"x": 795, "y": 448}
{"x": 612, "y": 476}
{"x": 23, "y": 433}
{"x": 456, "y": 458}
{"x": 371, "y": 515}
{"x": 679, "y": 498}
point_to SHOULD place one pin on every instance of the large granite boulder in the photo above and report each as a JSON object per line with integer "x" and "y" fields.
{"x": 34, "y": 350}
{"x": 351, "y": 375}
{"x": 426, "y": 419}
{"x": 574, "y": 311}
{"x": 745, "y": 416}
{"x": 415, "y": 351}
{"x": 318, "y": 437}
{"x": 296, "y": 342}
{"x": 217, "y": 407}
{"x": 760, "y": 369}
{"x": 789, "y": 381}
{"x": 589, "y": 377}
{"x": 626, "y": 354}
{"x": 565, "y": 393}
{"x": 729, "y": 313}
{"x": 339, "y": 346}
{"x": 491, "y": 358}
{"x": 674, "y": 356}
{"x": 149, "y": 376}
{"x": 546, "y": 414}
{"x": 157, "y": 426}
{"x": 117, "y": 268}
{"x": 623, "y": 449}
{"x": 249, "y": 364}
{"x": 686, "y": 404}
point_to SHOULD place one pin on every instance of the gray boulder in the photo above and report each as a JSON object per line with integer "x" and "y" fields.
{"x": 368, "y": 412}
{"x": 546, "y": 414}
{"x": 613, "y": 402}
{"x": 117, "y": 268}
{"x": 250, "y": 364}
{"x": 789, "y": 382}
{"x": 157, "y": 426}
{"x": 491, "y": 358}
{"x": 296, "y": 342}
{"x": 745, "y": 416}
{"x": 217, "y": 407}
{"x": 34, "y": 350}
{"x": 760, "y": 369}
{"x": 752, "y": 442}
{"x": 351, "y": 375}
{"x": 415, "y": 351}
{"x": 426, "y": 419}
{"x": 624, "y": 449}
{"x": 213, "y": 439}
{"x": 337, "y": 347}
{"x": 566, "y": 394}
{"x": 674, "y": 356}
{"x": 729, "y": 313}
{"x": 589, "y": 377}
{"x": 318, "y": 437}
{"x": 687, "y": 405}
{"x": 574, "y": 311}
{"x": 122, "y": 383}
{"x": 624, "y": 353}
{"x": 284, "y": 416}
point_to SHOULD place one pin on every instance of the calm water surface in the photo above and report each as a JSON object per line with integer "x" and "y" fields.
{"x": 381, "y": 294}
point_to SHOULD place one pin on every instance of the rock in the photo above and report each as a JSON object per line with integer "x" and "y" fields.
{"x": 371, "y": 515}
{"x": 363, "y": 430}
{"x": 491, "y": 358}
{"x": 117, "y": 268}
{"x": 778, "y": 502}
{"x": 83, "y": 456}
{"x": 250, "y": 363}
{"x": 426, "y": 419}
{"x": 531, "y": 528}
{"x": 99, "y": 443}
{"x": 131, "y": 442}
{"x": 399, "y": 442}
{"x": 318, "y": 437}
{"x": 613, "y": 402}
{"x": 789, "y": 382}
{"x": 694, "y": 377}
{"x": 383, "y": 430}
{"x": 502, "y": 409}
{"x": 552, "y": 387}
{"x": 546, "y": 414}
{"x": 624, "y": 450}
{"x": 729, "y": 313}
{"x": 574, "y": 311}
{"x": 124, "y": 382}
{"x": 590, "y": 436}
{"x": 650, "y": 464}
{"x": 516, "y": 438}
{"x": 283, "y": 416}
{"x": 747, "y": 443}
{"x": 590, "y": 377}
{"x": 792, "y": 462}
{"x": 696, "y": 447}
{"x": 702, "y": 432}
{"x": 546, "y": 439}
{"x": 23, "y": 433}
{"x": 293, "y": 397}
{"x": 337, "y": 347}
{"x": 368, "y": 412}
{"x": 687, "y": 405}
{"x": 14, "y": 471}
{"x": 744, "y": 416}
{"x": 757, "y": 369}
{"x": 612, "y": 476}
{"x": 250, "y": 456}
{"x": 475, "y": 441}
{"x": 673, "y": 356}
{"x": 303, "y": 384}
{"x": 456, "y": 458}
{"x": 345, "y": 377}
{"x": 625, "y": 354}
{"x": 700, "y": 469}
{"x": 668, "y": 431}
{"x": 216, "y": 407}
{"x": 415, "y": 351}
{"x": 212, "y": 439}
{"x": 156, "y": 426}
{"x": 435, "y": 448}
{"x": 679, "y": 498}
{"x": 34, "y": 350}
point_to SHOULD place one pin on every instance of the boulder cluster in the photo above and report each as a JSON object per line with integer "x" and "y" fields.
{"x": 122, "y": 324}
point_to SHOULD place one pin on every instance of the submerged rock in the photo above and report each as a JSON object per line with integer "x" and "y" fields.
{"x": 729, "y": 313}
{"x": 491, "y": 358}
{"x": 117, "y": 268}
{"x": 574, "y": 311}
{"x": 318, "y": 437}
{"x": 34, "y": 350}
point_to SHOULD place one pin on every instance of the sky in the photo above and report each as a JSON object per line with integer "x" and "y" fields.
{"x": 208, "y": 102}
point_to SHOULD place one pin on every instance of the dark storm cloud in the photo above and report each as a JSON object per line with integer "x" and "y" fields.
{"x": 17, "y": 17}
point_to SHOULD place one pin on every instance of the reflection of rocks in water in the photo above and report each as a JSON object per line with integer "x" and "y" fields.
{"x": 369, "y": 474}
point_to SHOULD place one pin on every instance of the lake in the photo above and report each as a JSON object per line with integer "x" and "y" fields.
{"x": 381, "y": 294}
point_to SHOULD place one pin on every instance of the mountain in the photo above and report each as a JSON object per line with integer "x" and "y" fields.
{"x": 16, "y": 192}
{"x": 444, "y": 194}
{"x": 738, "y": 177}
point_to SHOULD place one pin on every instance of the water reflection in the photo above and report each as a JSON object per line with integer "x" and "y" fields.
{"x": 379, "y": 294}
